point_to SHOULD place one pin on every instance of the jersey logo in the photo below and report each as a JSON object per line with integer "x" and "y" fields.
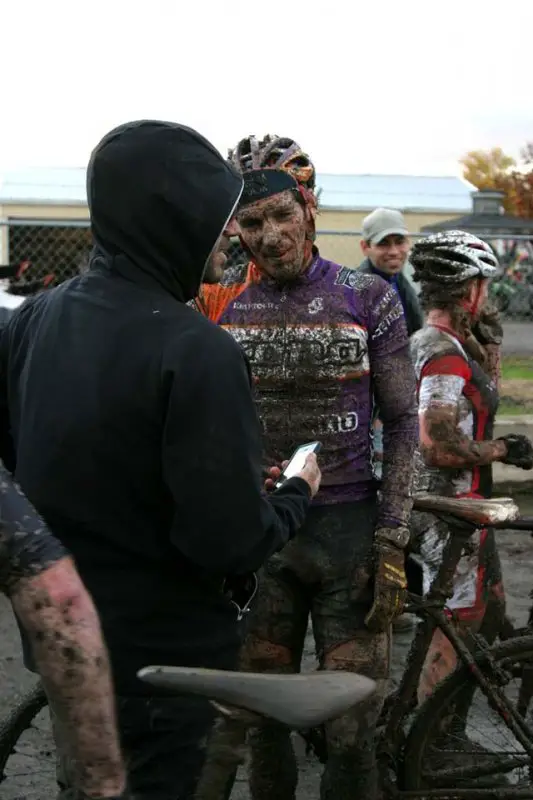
{"x": 316, "y": 305}
{"x": 296, "y": 351}
{"x": 354, "y": 278}
{"x": 385, "y": 323}
{"x": 233, "y": 275}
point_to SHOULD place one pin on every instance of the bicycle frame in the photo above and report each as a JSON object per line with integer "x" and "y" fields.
{"x": 404, "y": 700}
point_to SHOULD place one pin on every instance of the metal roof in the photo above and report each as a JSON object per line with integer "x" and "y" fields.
{"x": 484, "y": 224}
{"x": 447, "y": 194}
{"x": 44, "y": 186}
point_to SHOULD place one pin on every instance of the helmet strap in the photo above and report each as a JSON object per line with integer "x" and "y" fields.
{"x": 473, "y": 305}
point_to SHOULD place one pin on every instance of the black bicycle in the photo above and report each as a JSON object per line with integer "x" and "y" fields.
{"x": 472, "y": 738}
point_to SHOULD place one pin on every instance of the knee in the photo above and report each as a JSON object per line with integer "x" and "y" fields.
{"x": 260, "y": 655}
{"x": 368, "y": 654}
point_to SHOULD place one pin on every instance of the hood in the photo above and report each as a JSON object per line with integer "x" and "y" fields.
{"x": 159, "y": 195}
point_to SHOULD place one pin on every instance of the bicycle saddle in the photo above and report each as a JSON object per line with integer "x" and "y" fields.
{"x": 298, "y": 701}
{"x": 478, "y": 512}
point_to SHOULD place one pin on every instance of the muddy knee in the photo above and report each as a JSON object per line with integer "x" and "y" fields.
{"x": 260, "y": 655}
{"x": 368, "y": 654}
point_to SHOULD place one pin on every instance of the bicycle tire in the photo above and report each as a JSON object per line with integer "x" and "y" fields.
{"x": 440, "y": 701}
{"x": 19, "y": 720}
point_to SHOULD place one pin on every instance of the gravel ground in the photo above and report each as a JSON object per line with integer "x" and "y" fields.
{"x": 33, "y": 770}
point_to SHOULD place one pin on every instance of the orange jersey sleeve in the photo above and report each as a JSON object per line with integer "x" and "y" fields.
{"x": 214, "y": 298}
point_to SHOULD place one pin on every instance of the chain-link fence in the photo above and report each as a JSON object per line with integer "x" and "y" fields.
{"x": 36, "y": 254}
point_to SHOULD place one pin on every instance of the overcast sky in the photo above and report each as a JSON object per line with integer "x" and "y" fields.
{"x": 364, "y": 86}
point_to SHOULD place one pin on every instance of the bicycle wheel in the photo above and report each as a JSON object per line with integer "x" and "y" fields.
{"x": 20, "y": 756}
{"x": 458, "y": 740}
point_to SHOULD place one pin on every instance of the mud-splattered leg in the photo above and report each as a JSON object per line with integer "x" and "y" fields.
{"x": 351, "y": 771}
{"x": 493, "y": 602}
{"x": 344, "y": 537}
{"x": 273, "y": 768}
{"x": 485, "y": 616}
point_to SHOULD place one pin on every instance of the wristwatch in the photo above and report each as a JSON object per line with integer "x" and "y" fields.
{"x": 396, "y": 537}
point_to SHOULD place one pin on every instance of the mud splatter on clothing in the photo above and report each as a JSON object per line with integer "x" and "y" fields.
{"x": 321, "y": 349}
{"x": 449, "y": 377}
{"x": 325, "y": 573}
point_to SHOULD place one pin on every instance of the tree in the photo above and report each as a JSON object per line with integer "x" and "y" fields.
{"x": 494, "y": 169}
{"x": 526, "y": 153}
{"x": 487, "y": 169}
{"x": 520, "y": 193}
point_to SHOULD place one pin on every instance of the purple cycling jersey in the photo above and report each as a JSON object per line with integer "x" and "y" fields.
{"x": 314, "y": 348}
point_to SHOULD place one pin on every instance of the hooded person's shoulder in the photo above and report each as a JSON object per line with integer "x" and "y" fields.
{"x": 198, "y": 343}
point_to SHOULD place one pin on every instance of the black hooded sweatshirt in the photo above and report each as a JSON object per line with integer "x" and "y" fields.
{"x": 134, "y": 428}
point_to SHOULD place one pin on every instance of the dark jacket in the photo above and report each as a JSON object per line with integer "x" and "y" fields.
{"x": 414, "y": 316}
{"x": 132, "y": 416}
{"x": 5, "y": 315}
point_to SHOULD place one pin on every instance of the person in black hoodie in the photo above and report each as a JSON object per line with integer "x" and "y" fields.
{"x": 134, "y": 433}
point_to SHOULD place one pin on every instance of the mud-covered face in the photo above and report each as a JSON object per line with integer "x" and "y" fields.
{"x": 276, "y": 230}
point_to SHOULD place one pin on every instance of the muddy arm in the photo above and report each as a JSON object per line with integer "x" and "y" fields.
{"x": 442, "y": 442}
{"x": 68, "y": 647}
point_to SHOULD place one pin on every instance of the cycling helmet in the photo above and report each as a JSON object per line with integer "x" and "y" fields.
{"x": 452, "y": 257}
{"x": 274, "y": 152}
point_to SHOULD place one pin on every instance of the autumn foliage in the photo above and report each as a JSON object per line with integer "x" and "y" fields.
{"x": 493, "y": 169}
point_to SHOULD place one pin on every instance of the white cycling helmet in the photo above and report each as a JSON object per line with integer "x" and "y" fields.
{"x": 452, "y": 257}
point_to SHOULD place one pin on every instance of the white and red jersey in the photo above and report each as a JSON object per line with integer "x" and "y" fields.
{"x": 448, "y": 376}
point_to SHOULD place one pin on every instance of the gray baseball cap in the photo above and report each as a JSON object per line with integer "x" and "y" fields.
{"x": 383, "y": 222}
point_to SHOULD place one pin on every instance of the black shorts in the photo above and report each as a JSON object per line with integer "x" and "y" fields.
{"x": 326, "y": 572}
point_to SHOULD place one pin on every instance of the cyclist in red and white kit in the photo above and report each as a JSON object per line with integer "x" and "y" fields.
{"x": 458, "y": 399}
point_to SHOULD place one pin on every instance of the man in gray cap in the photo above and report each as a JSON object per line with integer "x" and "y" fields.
{"x": 386, "y": 245}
